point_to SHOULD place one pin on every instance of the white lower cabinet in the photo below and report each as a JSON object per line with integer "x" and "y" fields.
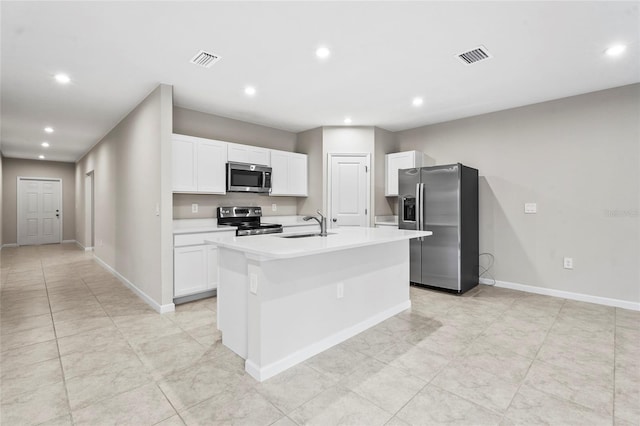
{"x": 190, "y": 270}
{"x": 195, "y": 264}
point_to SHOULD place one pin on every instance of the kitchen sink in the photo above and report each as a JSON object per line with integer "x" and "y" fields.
{"x": 314, "y": 234}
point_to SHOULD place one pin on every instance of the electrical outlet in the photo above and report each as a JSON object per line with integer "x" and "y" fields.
{"x": 157, "y": 209}
{"x": 253, "y": 283}
{"x": 274, "y": 207}
{"x": 194, "y": 208}
{"x": 99, "y": 243}
{"x": 340, "y": 291}
{"x": 530, "y": 208}
{"x": 568, "y": 263}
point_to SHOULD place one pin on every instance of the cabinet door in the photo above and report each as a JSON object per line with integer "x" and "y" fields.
{"x": 298, "y": 174}
{"x": 190, "y": 270}
{"x": 259, "y": 156}
{"x": 212, "y": 267}
{"x": 248, "y": 154}
{"x": 395, "y": 162}
{"x": 184, "y": 177}
{"x": 212, "y": 158}
{"x": 279, "y": 173}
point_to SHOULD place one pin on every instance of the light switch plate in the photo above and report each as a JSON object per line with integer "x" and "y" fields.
{"x": 274, "y": 207}
{"x": 253, "y": 283}
{"x": 530, "y": 208}
{"x": 194, "y": 208}
{"x": 568, "y": 263}
{"x": 340, "y": 291}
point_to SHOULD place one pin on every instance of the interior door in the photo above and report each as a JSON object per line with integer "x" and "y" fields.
{"x": 39, "y": 216}
{"x": 348, "y": 190}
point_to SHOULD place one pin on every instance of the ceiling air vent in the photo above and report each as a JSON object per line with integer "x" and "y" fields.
{"x": 478, "y": 54}
{"x": 205, "y": 59}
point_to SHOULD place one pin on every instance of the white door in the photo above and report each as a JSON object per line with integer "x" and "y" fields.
{"x": 39, "y": 211}
{"x": 349, "y": 190}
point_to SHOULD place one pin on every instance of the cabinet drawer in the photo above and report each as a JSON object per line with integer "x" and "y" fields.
{"x": 198, "y": 238}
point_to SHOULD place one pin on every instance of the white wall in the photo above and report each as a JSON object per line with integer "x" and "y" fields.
{"x": 1, "y": 199}
{"x": 131, "y": 180}
{"x": 385, "y": 143}
{"x": 310, "y": 143}
{"x": 578, "y": 158}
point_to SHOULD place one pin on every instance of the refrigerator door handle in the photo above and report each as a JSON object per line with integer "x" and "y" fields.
{"x": 418, "y": 211}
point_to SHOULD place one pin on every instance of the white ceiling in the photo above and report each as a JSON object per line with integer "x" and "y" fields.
{"x": 383, "y": 55}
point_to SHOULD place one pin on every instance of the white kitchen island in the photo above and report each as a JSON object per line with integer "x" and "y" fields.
{"x": 283, "y": 300}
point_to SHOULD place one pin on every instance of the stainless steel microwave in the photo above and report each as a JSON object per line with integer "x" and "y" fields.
{"x": 242, "y": 177}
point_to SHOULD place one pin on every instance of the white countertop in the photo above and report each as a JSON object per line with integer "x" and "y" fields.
{"x": 192, "y": 226}
{"x": 275, "y": 247}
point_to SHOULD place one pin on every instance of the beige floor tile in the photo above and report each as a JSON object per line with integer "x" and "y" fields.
{"x": 435, "y": 406}
{"x": 20, "y": 380}
{"x": 59, "y": 421}
{"x": 145, "y": 405}
{"x": 483, "y": 355}
{"x": 188, "y": 320}
{"x": 387, "y": 387}
{"x": 449, "y": 340}
{"x": 17, "y": 325}
{"x": 35, "y": 407}
{"x": 27, "y": 337}
{"x": 627, "y": 395}
{"x": 627, "y": 318}
{"x": 478, "y": 386}
{"x": 293, "y": 387}
{"x": 79, "y": 325}
{"x": 246, "y": 408}
{"x": 106, "y": 382}
{"x": 85, "y": 362}
{"x": 171, "y": 421}
{"x": 26, "y": 355}
{"x": 337, "y": 362}
{"x": 169, "y": 354}
{"x": 206, "y": 335}
{"x": 417, "y": 361}
{"x": 339, "y": 406}
{"x": 589, "y": 388}
{"x": 188, "y": 387}
{"x": 91, "y": 339}
{"x": 532, "y": 407}
{"x": 79, "y": 313}
{"x": 371, "y": 342}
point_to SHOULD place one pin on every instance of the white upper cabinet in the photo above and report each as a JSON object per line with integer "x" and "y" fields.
{"x": 198, "y": 165}
{"x": 402, "y": 160}
{"x": 184, "y": 164}
{"x": 248, "y": 154}
{"x": 289, "y": 174}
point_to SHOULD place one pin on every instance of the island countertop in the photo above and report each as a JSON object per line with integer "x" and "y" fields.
{"x": 274, "y": 246}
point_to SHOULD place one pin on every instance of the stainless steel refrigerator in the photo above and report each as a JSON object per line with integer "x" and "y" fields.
{"x": 444, "y": 200}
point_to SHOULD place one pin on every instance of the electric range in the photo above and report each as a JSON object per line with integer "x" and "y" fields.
{"x": 246, "y": 220}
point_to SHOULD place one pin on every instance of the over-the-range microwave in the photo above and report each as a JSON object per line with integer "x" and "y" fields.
{"x": 243, "y": 177}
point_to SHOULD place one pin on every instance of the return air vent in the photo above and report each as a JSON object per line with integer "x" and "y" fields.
{"x": 205, "y": 59}
{"x": 478, "y": 54}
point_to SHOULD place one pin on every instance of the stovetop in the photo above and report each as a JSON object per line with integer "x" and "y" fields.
{"x": 247, "y": 220}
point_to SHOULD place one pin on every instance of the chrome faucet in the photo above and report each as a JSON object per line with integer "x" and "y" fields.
{"x": 322, "y": 221}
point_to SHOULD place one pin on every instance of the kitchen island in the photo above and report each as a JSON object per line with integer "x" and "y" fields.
{"x": 283, "y": 300}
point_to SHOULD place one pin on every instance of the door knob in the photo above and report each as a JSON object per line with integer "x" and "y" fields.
{"x": 334, "y": 220}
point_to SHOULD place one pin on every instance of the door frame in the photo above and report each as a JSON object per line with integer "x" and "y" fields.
{"x": 19, "y": 204}
{"x": 365, "y": 155}
{"x": 89, "y": 208}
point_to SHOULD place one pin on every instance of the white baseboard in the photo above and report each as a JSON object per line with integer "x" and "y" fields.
{"x": 625, "y": 304}
{"x": 270, "y": 370}
{"x": 83, "y": 247}
{"x": 69, "y": 242}
{"x": 170, "y": 307}
{"x": 9, "y": 245}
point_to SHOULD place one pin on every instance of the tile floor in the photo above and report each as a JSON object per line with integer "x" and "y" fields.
{"x": 77, "y": 347}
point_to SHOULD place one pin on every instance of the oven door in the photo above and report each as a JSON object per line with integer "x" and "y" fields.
{"x": 243, "y": 177}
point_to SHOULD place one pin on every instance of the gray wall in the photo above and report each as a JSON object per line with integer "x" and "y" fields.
{"x": 128, "y": 165}
{"x": 310, "y": 143}
{"x": 11, "y": 169}
{"x": 578, "y": 159}
{"x": 194, "y": 123}
{"x": 1, "y": 199}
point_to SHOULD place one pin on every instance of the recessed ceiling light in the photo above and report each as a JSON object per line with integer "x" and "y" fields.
{"x": 616, "y": 50}
{"x": 45, "y": 144}
{"x": 62, "y": 78}
{"x": 249, "y": 90}
{"x": 48, "y": 129}
{"x": 417, "y": 101}
{"x": 41, "y": 157}
{"x": 323, "y": 52}
{"x": 347, "y": 120}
